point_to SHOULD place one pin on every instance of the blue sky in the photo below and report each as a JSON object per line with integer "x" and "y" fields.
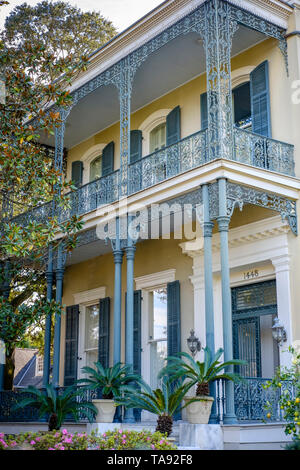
{"x": 121, "y": 12}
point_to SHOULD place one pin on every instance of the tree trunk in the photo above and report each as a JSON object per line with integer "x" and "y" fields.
{"x": 9, "y": 369}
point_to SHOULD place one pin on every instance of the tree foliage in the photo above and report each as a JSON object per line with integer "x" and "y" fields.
{"x": 60, "y": 28}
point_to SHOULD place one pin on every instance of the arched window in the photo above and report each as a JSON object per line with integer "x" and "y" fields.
{"x": 96, "y": 168}
{"x": 158, "y": 138}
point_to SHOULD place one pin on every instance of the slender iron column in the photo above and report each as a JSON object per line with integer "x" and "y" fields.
{"x": 208, "y": 286}
{"x": 223, "y": 223}
{"x": 118, "y": 260}
{"x": 47, "y": 346}
{"x": 125, "y": 88}
{"x": 57, "y": 331}
{"x": 130, "y": 252}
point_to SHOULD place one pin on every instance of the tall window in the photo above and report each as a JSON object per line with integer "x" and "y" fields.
{"x": 96, "y": 168}
{"x": 158, "y": 137}
{"x": 91, "y": 334}
{"x": 242, "y": 106}
{"x": 158, "y": 333}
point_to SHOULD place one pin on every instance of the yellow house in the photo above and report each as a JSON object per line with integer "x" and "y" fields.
{"x": 184, "y": 143}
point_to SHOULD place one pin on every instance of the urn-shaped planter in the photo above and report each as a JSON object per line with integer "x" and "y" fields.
{"x": 198, "y": 412}
{"x": 106, "y": 410}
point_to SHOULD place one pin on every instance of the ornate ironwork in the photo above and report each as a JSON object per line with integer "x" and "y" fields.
{"x": 170, "y": 161}
{"x": 265, "y": 27}
{"x": 219, "y": 31}
{"x": 250, "y": 399}
{"x": 238, "y": 195}
{"x": 263, "y": 152}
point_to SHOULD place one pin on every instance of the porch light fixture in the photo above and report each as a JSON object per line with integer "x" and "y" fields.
{"x": 193, "y": 343}
{"x": 278, "y": 332}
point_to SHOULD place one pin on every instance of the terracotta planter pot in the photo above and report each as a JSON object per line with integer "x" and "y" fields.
{"x": 106, "y": 410}
{"x": 199, "y": 411}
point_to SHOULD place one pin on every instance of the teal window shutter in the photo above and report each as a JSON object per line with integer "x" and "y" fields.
{"x": 173, "y": 126}
{"x": 104, "y": 323}
{"x": 260, "y": 100}
{"x": 71, "y": 345}
{"x": 137, "y": 339}
{"x": 136, "y": 137}
{"x": 77, "y": 170}
{"x": 203, "y": 109}
{"x": 108, "y": 159}
{"x": 173, "y": 325}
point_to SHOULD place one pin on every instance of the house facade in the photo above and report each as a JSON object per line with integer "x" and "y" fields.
{"x": 183, "y": 141}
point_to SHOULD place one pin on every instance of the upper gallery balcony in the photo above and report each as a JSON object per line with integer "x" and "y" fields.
{"x": 218, "y": 105}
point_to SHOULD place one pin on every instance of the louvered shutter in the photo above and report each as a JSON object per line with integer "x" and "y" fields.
{"x": 173, "y": 126}
{"x": 203, "y": 109}
{"x": 108, "y": 159}
{"x": 104, "y": 322}
{"x": 173, "y": 323}
{"x": 71, "y": 344}
{"x": 260, "y": 100}
{"x": 137, "y": 339}
{"x": 135, "y": 145}
{"x": 77, "y": 171}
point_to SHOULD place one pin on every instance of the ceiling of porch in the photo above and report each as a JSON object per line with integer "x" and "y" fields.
{"x": 176, "y": 63}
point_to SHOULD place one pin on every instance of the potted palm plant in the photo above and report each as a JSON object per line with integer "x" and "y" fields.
{"x": 162, "y": 402}
{"x": 201, "y": 374}
{"x": 109, "y": 383}
{"x": 57, "y": 406}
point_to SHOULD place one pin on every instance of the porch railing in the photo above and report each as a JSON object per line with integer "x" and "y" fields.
{"x": 263, "y": 152}
{"x": 250, "y": 399}
{"x": 190, "y": 152}
{"x": 185, "y": 155}
{"x": 249, "y": 396}
{"x": 8, "y": 400}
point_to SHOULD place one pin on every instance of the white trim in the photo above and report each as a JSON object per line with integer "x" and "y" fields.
{"x": 88, "y": 157}
{"x": 155, "y": 280}
{"x": 85, "y": 297}
{"x": 156, "y": 118}
{"x": 241, "y": 75}
{"x": 148, "y": 284}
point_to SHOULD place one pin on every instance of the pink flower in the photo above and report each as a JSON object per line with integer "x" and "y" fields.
{"x": 1, "y": 435}
{"x": 32, "y": 443}
{"x": 68, "y": 440}
{"x": 123, "y": 442}
{"x": 153, "y": 446}
{"x": 104, "y": 435}
{"x": 161, "y": 442}
{"x": 51, "y": 448}
{"x": 64, "y": 431}
{"x": 62, "y": 448}
{"x": 124, "y": 436}
{"x": 120, "y": 431}
{"x": 13, "y": 444}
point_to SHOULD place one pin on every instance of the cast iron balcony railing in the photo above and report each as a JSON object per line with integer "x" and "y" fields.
{"x": 187, "y": 154}
{"x": 251, "y": 398}
{"x": 263, "y": 152}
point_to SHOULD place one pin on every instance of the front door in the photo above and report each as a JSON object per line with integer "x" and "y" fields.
{"x": 254, "y": 307}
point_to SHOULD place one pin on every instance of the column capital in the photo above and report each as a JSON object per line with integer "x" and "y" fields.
{"x": 130, "y": 252}
{"x": 118, "y": 256}
{"x": 207, "y": 229}
{"x": 281, "y": 263}
{"x": 223, "y": 223}
{"x": 60, "y": 274}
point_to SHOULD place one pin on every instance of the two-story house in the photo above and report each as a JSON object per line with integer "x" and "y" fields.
{"x": 186, "y": 126}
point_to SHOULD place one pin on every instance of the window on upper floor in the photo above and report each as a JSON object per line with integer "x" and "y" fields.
{"x": 242, "y": 106}
{"x": 251, "y": 102}
{"x": 96, "y": 168}
{"x": 158, "y": 138}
